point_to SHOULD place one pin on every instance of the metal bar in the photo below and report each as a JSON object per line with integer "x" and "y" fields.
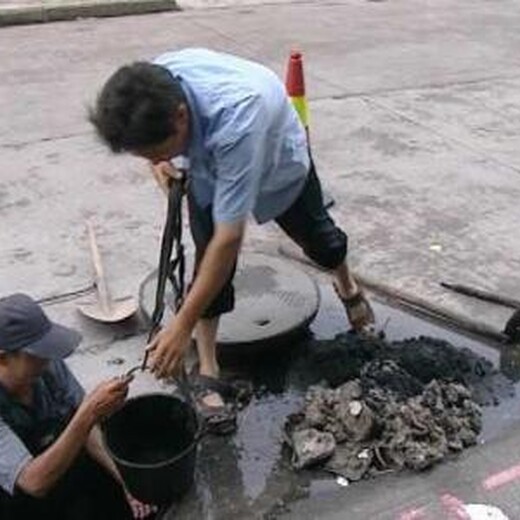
{"x": 482, "y": 295}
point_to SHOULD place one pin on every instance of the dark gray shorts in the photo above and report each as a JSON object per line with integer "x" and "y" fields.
{"x": 307, "y": 222}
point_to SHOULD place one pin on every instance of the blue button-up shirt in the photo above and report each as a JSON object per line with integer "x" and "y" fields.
{"x": 248, "y": 149}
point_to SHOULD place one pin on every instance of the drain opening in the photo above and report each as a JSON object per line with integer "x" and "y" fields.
{"x": 262, "y": 322}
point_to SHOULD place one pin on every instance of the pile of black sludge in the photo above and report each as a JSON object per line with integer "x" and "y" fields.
{"x": 385, "y": 406}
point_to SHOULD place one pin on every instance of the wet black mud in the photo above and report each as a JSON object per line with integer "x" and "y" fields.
{"x": 416, "y": 362}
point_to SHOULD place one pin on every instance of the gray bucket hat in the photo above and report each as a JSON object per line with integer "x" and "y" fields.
{"x": 25, "y": 327}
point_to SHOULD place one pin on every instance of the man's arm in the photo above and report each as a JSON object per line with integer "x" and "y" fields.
{"x": 42, "y": 473}
{"x": 215, "y": 268}
{"x": 98, "y": 452}
{"x": 95, "y": 448}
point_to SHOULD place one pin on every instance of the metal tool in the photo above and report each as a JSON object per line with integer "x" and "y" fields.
{"x": 105, "y": 309}
{"x": 482, "y": 295}
{"x": 172, "y": 269}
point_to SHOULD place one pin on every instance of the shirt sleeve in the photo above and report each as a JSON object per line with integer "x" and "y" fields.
{"x": 14, "y": 456}
{"x": 239, "y": 155}
{"x": 73, "y": 390}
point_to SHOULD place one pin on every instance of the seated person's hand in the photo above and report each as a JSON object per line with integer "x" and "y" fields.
{"x": 106, "y": 398}
{"x": 139, "y": 509}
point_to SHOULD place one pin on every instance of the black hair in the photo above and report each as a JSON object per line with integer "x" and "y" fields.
{"x": 136, "y": 107}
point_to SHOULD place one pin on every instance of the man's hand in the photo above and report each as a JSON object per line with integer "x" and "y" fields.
{"x": 106, "y": 398}
{"x": 164, "y": 172}
{"x": 170, "y": 344}
{"x": 168, "y": 347}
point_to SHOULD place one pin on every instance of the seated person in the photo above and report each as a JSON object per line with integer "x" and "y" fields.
{"x": 52, "y": 461}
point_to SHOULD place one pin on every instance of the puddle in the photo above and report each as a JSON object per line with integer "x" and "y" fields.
{"x": 249, "y": 476}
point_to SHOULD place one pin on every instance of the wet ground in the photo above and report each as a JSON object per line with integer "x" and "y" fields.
{"x": 249, "y": 475}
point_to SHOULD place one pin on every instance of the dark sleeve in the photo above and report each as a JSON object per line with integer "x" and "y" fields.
{"x": 67, "y": 382}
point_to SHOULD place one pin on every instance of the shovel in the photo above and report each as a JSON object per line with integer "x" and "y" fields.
{"x": 105, "y": 309}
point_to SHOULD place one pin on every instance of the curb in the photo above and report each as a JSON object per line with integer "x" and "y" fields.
{"x": 41, "y": 14}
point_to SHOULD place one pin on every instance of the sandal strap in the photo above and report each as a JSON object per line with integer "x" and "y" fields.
{"x": 220, "y": 420}
{"x": 354, "y": 300}
{"x": 202, "y": 384}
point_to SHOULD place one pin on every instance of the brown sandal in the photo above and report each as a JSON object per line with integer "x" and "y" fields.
{"x": 359, "y": 311}
{"x": 218, "y": 420}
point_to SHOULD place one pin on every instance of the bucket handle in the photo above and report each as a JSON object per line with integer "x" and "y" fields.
{"x": 183, "y": 384}
{"x": 181, "y": 381}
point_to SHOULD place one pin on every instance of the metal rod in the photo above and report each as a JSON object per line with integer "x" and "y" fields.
{"x": 482, "y": 295}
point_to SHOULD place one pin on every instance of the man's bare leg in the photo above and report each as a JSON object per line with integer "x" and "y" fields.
{"x": 360, "y": 314}
{"x": 206, "y": 336}
{"x": 344, "y": 282}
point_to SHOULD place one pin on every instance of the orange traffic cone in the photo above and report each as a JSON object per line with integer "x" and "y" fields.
{"x": 295, "y": 85}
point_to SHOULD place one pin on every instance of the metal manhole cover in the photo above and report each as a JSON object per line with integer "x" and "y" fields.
{"x": 272, "y": 299}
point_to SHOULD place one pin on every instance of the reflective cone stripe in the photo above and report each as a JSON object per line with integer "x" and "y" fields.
{"x": 300, "y": 104}
{"x": 295, "y": 85}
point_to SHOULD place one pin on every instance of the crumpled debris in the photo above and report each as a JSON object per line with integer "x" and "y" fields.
{"x": 339, "y": 412}
{"x": 311, "y": 446}
{"x": 375, "y": 431}
{"x": 392, "y": 412}
{"x": 350, "y": 461}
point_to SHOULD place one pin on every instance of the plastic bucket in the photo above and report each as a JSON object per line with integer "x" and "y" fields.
{"x": 153, "y": 442}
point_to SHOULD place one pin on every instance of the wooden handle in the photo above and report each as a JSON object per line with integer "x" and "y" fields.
{"x": 101, "y": 284}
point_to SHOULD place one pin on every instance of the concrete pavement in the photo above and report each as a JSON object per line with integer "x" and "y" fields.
{"x": 415, "y": 123}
